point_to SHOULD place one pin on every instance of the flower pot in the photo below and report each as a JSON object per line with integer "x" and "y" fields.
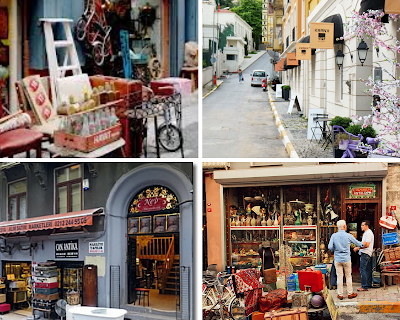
{"x": 359, "y": 154}
{"x": 343, "y": 144}
{"x": 285, "y": 94}
{"x": 338, "y": 153}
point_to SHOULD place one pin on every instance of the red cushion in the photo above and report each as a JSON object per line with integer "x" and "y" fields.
{"x": 19, "y": 140}
{"x": 4, "y": 307}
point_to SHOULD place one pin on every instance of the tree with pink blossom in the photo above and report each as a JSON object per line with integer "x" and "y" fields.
{"x": 385, "y": 116}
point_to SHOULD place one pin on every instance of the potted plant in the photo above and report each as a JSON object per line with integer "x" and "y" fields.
{"x": 285, "y": 92}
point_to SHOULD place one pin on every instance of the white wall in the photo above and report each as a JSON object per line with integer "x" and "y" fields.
{"x": 207, "y": 75}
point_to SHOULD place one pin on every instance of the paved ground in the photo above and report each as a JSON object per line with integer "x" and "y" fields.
{"x": 296, "y": 129}
{"x": 238, "y": 121}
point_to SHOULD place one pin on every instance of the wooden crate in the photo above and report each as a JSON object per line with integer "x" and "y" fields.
{"x": 89, "y": 143}
{"x": 48, "y": 297}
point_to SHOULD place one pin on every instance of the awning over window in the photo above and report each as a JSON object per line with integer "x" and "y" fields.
{"x": 374, "y": 5}
{"x": 336, "y": 19}
{"x": 57, "y": 221}
{"x": 286, "y": 67}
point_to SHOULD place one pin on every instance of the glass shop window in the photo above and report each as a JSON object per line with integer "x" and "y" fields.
{"x": 231, "y": 57}
{"x": 17, "y": 200}
{"x": 69, "y": 189}
{"x": 301, "y": 205}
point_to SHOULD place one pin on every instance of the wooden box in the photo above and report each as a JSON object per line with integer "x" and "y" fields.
{"x": 48, "y": 297}
{"x": 2, "y": 297}
{"x": 292, "y": 314}
{"x": 89, "y": 143}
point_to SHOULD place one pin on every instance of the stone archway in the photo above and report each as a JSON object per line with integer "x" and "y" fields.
{"x": 116, "y": 219}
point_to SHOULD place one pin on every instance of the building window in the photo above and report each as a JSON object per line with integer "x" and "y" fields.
{"x": 271, "y": 39}
{"x": 271, "y": 30}
{"x": 271, "y": 19}
{"x": 231, "y": 57}
{"x": 69, "y": 189}
{"x": 17, "y": 200}
{"x": 294, "y": 34}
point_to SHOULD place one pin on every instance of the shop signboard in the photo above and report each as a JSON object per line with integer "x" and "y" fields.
{"x": 321, "y": 35}
{"x": 364, "y": 190}
{"x": 303, "y": 51}
{"x": 392, "y": 6}
{"x": 291, "y": 59}
{"x": 96, "y": 247}
{"x": 152, "y": 204}
{"x": 67, "y": 249}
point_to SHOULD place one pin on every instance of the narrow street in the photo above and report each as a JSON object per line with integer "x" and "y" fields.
{"x": 238, "y": 121}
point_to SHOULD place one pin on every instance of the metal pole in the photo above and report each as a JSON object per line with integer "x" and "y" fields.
{"x": 212, "y": 51}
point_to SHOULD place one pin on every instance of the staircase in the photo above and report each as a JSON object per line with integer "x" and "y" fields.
{"x": 172, "y": 283}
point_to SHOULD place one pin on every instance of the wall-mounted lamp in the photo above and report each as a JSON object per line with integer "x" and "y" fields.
{"x": 339, "y": 58}
{"x": 362, "y": 52}
{"x": 351, "y": 55}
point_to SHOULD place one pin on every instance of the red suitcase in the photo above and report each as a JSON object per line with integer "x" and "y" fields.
{"x": 51, "y": 285}
{"x": 311, "y": 278}
{"x": 273, "y": 300}
{"x": 4, "y": 308}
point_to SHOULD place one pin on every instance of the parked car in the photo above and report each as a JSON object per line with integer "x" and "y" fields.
{"x": 257, "y": 77}
{"x": 274, "y": 82}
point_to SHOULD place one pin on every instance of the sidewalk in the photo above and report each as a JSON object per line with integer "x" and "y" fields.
{"x": 296, "y": 130}
{"x": 377, "y": 300}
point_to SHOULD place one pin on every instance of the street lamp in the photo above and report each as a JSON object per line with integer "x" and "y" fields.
{"x": 362, "y": 52}
{"x": 339, "y": 58}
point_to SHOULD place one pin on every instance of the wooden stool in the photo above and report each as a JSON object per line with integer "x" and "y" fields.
{"x": 142, "y": 292}
{"x": 390, "y": 280}
{"x": 191, "y": 73}
{"x": 20, "y": 140}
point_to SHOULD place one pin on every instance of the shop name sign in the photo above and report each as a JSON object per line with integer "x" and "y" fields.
{"x": 96, "y": 247}
{"x": 322, "y": 35}
{"x": 50, "y": 224}
{"x": 67, "y": 249}
{"x": 152, "y": 204}
{"x": 303, "y": 51}
{"x": 362, "y": 190}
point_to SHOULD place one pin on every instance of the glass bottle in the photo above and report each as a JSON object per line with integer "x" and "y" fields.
{"x": 85, "y": 127}
{"x": 92, "y": 125}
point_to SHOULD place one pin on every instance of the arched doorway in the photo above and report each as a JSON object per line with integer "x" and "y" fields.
{"x": 117, "y": 210}
{"x": 153, "y": 226}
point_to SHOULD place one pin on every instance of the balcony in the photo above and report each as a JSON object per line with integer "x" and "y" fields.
{"x": 278, "y": 45}
{"x": 277, "y": 4}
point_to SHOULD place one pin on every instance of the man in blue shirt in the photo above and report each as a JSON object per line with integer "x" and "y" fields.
{"x": 339, "y": 244}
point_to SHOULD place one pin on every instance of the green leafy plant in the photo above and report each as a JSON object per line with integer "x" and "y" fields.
{"x": 354, "y": 129}
{"x": 286, "y": 88}
{"x": 246, "y": 46}
{"x": 368, "y": 132}
{"x": 204, "y": 63}
{"x": 253, "y": 52}
{"x": 342, "y": 136}
{"x": 341, "y": 121}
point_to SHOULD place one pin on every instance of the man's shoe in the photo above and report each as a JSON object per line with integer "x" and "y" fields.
{"x": 351, "y": 296}
{"x": 362, "y": 289}
{"x": 340, "y": 297}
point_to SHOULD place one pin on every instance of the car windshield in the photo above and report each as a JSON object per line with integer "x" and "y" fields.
{"x": 259, "y": 74}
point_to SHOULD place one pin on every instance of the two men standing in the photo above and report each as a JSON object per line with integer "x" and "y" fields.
{"x": 340, "y": 245}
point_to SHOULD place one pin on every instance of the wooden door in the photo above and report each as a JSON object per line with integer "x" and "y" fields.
{"x": 90, "y": 285}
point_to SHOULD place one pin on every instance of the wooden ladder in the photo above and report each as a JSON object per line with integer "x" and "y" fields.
{"x": 70, "y": 59}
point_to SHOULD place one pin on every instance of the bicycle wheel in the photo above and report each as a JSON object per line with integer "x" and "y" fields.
{"x": 98, "y": 53}
{"x": 169, "y": 137}
{"x": 80, "y": 29}
{"x": 236, "y": 309}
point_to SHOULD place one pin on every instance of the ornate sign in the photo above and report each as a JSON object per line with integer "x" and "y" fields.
{"x": 153, "y": 199}
{"x": 321, "y": 35}
{"x": 67, "y": 249}
{"x": 363, "y": 190}
{"x": 152, "y": 204}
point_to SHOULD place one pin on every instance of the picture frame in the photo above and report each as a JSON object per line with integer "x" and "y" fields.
{"x": 133, "y": 225}
{"x": 145, "y": 224}
{"x": 3, "y": 23}
{"x": 160, "y": 223}
{"x": 173, "y": 222}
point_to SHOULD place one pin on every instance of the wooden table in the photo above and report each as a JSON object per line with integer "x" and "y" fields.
{"x": 69, "y": 153}
{"x": 193, "y": 73}
{"x": 389, "y": 274}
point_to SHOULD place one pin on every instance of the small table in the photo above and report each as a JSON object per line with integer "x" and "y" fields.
{"x": 389, "y": 274}
{"x": 325, "y": 130}
{"x": 143, "y": 292}
{"x": 100, "y": 152}
{"x": 318, "y": 311}
{"x": 193, "y": 74}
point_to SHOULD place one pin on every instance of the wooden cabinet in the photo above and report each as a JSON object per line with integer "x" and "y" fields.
{"x": 90, "y": 285}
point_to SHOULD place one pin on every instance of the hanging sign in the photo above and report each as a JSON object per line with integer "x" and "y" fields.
{"x": 362, "y": 190}
{"x": 291, "y": 59}
{"x": 303, "y": 51}
{"x": 96, "y": 247}
{"x": 152, "y": 204}
{"x": 67, "y": 249}
{"x": 322, "y": 35}
{"x": 392, "y": 6}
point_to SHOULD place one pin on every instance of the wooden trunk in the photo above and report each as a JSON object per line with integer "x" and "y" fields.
{"x": 90, "y": 285}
